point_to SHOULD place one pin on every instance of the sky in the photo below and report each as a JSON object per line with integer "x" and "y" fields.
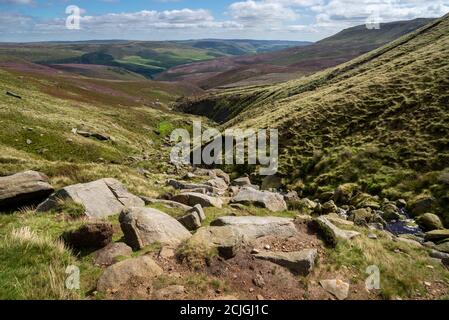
{"x": 301, "y": 20}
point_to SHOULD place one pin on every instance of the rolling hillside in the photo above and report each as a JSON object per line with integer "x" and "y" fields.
{"x": 380, "y": 120}
{"x": 293, "y": 62}
{"x": 143, "y": 58}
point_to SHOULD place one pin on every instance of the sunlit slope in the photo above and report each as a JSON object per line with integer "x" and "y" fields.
{"x": 381, "y": 120}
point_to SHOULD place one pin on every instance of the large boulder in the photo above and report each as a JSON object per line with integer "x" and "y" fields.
{"x": 421, "y": 205}
{"x": 269, "y": 200}
{"x": 300, "y": 263}
{"x": 23, "y": 189}
{"x": 192, "y": 199}
{"x": 437, "y": 235}
{"x": 111, "y": 253}
{"x": 390, "y": 212}
{"x": 217, "y": 183}
{"x": 191, "y": 220}
{"x": 365, "y": 200}
{"x": 329, "y": 207}
{"x": 226, "y": 240}
{"x": 331, "y": 233}
{"x": 252, "y": 227}
{"x": 144, "y": 226}
{"x": 90, "y": 236}
{"x": 101, "y": 198}
{"x": 119, "y": 275}
{"x": 429, "y": 222}
{"x": 443, "y": 247}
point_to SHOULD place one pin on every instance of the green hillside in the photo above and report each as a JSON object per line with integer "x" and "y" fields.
{"x": 144, "y": 58}
{"x": 273, "y": 67}
{"x": 381, "y": 120}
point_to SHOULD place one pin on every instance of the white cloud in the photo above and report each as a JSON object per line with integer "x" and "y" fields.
{"x": 274, "y": 19}
{"x": 252, "y": 12}
{"x": 350, "y": 12}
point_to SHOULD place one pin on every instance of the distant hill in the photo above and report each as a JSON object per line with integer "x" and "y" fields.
{"x": 144, "y": 58}
{"x": 293, "y": 62}
{"x": 380, "y": 120}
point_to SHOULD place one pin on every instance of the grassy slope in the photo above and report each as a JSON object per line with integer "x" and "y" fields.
{"x": 301, "y": 60}
{"x": 381, "y": 120}
{"x": 135, "y": 113}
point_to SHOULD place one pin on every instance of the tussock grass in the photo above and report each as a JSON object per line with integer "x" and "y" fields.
{"x": 33, "y": 266}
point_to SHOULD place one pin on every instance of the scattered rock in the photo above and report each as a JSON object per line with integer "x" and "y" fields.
{"x": 300, "y": 263}
{"x": 199, "y": 210}
{"x": 444, "y": 247}
{"x": 23, "y": 189}
{"x": 439, "y": 255}
{"x": 390, "y": 212}
{"x": 227, "y": 240}
{"x": 110, "y": 254}
{"x": 166, "y": 203}
{"x": 252, "y": 227}
{"x": 241, "y": 182}
{"x": 191, "y": 221}
{"x": 291, "y": 196}
{"x": 372, "y": 236}
{"x": 329, "y": 207}
{"x": 192, "y": 199}
{"x": 218, "y": 183}
{"x": 272, "y": 201}
{"x": 144, "y": 226}
{"x": 421, "y": 205}
{"x": 429, "y": 222}
{"x": 119, "y": 274}
{"x": 365, "y": 200}
{"x": 338, "y": 288}
{"x": 331, "y": 233}
{"x": 12, "y": 94}
{"x": 101, "y": 198}
{"x": 194, "y": 186}
{"x": 166, "y": 253}
{"x": 409, "y": 241}
{"x": 259, "y": 281}
{"x": 437, "y": 235}
{"x": 90, "y": 236}
{"x": 88, "y": 134}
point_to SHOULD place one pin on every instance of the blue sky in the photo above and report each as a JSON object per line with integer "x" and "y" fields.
{"x": 38, "y": 20}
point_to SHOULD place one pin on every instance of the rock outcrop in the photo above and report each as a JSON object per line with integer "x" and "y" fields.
{"x": 144, "y": 226}
{"x": 300, "y": 263}
{"x": 109, "y": 255}
{"x": 101, "y": 198}
{"x": 192, "y": 199}
{"x": 252, "y": 227}
{"x": 23, "y": 189}
{"x": 119, "y": 274}
{"x": 269, "y": 200}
